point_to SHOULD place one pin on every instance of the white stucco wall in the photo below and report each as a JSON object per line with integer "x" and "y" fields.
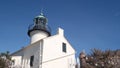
{"x": 54, "y": 57}
{"x": 17, "y": 60}
{"x": 32, "y": 50}
{"x": 64, "y": 62}
{"x": 22, "y": 57}
{"x": 52, "y": 47}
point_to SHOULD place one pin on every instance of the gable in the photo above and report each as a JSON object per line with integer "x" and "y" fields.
{"x": 52, "y": 47}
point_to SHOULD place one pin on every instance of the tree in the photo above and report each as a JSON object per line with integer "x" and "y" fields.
{"x": 100, "y": 59}
{"x": 5, "y": 60}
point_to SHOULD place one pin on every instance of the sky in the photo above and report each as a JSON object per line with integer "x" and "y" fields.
{"x": 87, "y": 24}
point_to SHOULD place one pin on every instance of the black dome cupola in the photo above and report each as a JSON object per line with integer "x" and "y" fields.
{"x": 40, "y": 23}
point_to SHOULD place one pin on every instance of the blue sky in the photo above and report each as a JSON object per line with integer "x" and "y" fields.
{"x": 87, "y": 23}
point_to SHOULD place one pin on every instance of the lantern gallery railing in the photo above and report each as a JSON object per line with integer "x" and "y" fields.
{"x": 39, "y": 27}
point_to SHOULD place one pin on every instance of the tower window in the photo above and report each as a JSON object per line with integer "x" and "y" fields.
{"x": 31, "y": 60}
{"x": 64, "y": 47}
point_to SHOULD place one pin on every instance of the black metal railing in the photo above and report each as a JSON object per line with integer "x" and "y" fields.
{"x": 45, "y": 28}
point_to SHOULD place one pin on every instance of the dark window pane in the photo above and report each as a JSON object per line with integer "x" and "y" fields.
{"x": 36, "y": 20}
{"x": 31, "y": 60}
{"x": 64, "y": 47}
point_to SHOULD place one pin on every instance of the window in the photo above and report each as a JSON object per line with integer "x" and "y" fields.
{"x": 64, "y": 47}
{"x": 13, "y": 62}
{"x": 31, "y": 60}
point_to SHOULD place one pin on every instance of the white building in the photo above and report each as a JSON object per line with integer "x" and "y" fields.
{"x": 45, "y": 51}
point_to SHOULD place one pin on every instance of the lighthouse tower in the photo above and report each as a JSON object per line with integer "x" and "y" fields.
{"x": 45, "y": 50}
{"x": 39, "y": 29}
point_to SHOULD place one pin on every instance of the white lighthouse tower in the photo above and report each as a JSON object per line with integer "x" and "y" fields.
{"x": 45, "y": 50}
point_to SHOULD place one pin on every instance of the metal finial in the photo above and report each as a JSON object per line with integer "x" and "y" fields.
{"x": 41, "y": 13}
